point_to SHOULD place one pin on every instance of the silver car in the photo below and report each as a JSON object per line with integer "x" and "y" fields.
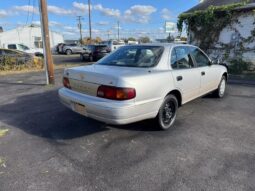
{"x": 72, "y": 49}
{"x": 141, "y": 82}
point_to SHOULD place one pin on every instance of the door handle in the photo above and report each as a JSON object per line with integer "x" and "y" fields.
{"x": 202, "y": 73}
{"x": 179, "y": 78}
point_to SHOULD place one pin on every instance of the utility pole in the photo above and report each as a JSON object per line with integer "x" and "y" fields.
{"x": 48, "y": 62}
{"x": 108, "y": 34}
{"x": 79, "y": 18}
{"x": 118, "y": 30}
{"x": 90, "y": 30}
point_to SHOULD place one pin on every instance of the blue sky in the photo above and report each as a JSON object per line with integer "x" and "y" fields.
{"x": 136, "y": 17}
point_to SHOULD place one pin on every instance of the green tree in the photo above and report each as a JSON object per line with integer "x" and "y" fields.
{"x": 170, "y": 38}
{"x": 131, "y": 39}
{"x": 144, "y": 39}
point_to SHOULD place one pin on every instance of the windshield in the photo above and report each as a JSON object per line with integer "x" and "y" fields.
{"x": 23, "y": 47}
{"x": 134, "y": 56}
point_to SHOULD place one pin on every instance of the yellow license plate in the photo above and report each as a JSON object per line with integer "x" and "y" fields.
{"x": 79, "y": 108}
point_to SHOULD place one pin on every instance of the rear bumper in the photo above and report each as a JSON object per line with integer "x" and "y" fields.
{"x": 108, "y": 111}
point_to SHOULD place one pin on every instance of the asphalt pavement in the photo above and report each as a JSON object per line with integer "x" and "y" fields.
{"x": 48, "y": 147}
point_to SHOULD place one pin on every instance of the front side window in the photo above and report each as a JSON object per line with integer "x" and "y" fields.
{"x": 23, "y": 47}
{"x": 134, "y": 56}
{"x": 200, "y": 57}
{"x": 181, "y": 58}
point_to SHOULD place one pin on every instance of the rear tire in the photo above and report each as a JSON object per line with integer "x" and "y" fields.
{"x": 167, "y": 112}
{"x": 82, "y": 57}
{"x": 91, "y": 59}
{"x": 220, "y": 92}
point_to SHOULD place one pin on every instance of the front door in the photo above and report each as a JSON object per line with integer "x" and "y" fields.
{"x": 185, "y": 75}
{"x": 208, "y": 72}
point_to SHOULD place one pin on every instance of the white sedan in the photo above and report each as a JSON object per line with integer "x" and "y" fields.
{"x": 141, "y": 82}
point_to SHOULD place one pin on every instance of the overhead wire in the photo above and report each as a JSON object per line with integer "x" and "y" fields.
{"x": 28, "y": 11}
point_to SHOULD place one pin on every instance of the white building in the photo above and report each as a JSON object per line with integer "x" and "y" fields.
{"x": 30, "y": 36}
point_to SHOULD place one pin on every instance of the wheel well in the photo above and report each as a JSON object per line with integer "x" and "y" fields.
{"x": 178, "y": 96}
{"x": 226, "y": 76}
{"x": 69, "y": 49}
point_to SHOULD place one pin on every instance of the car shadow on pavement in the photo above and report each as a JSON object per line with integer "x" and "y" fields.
{"x": 44, "y": 116}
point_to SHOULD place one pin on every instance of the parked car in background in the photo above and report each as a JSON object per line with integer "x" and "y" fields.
{"x": 24, "y": 48}
{"x": 16, "y": 57}
{"x": 94, "y": 52}
{"x": 141, "y": 82}
{"x": 113, "y": 44}
{"x": 69, "y": 49}
{"x": 59, "y": 48}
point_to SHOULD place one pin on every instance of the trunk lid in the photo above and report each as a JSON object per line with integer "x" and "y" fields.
{"x": 87, "y": 79}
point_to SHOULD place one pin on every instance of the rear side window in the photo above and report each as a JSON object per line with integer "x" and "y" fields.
{"x": 181, "y": 58}
{"x": 100, "y": 48}
{"x": 12, "y": 46}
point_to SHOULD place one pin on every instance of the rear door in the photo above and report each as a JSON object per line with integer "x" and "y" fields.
{"x": 185, "y": 75}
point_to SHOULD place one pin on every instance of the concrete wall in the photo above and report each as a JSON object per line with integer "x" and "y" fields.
{"x": 26, "y": 35}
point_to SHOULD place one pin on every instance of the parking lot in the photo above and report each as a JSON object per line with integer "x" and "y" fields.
{"x": 48, "y": 147}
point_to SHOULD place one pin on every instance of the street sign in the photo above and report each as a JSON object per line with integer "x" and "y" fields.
{"x": 170, "y": 27}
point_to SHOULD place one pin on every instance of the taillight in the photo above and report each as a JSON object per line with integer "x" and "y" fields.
{"x": 116, "y": 93}
{"x": 66, "y": 83}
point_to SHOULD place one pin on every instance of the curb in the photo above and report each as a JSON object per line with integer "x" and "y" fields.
{"x": 241, "y": 82}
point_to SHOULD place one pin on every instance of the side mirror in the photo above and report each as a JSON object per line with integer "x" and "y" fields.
{"x": 216, "y": 61}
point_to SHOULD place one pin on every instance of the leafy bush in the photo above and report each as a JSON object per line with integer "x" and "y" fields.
{"x": 238, "y": 66}
{"x": 14, "y": 64}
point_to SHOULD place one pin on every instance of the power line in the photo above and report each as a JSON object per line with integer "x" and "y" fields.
{"x": 28, "y": 11}
{"x": 33, "y": 12}
{"x": 79, "y": 18}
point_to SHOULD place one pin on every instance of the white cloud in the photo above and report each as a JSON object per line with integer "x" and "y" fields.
{"x": 139, "y": 13}
{"x": 26, "y": 8}
{"x": 59, "y": 11}
{"x": 81, "y": 6}
{"x": 3, "y": 13}
{"x": 55, "y": 24}
{"x": 69, "y": 33}
{"x": 166, "y": 14}
{"x": 107, "y": 11}
{"x": 143, "y": 9}
{"x": 102, "y": 23}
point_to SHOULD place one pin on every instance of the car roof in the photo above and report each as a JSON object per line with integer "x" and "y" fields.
{"x": 168, "y": 45}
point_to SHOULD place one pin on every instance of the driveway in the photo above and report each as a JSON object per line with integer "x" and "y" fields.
{"x": 48, "y": 147}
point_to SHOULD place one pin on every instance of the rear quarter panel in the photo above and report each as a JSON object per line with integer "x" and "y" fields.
{"x": 151, "y": 88}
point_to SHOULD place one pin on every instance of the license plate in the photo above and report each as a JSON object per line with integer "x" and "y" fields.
{"x": 79, "y": 108}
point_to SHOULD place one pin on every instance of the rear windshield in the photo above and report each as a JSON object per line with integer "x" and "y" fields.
{"x": 134, "y": 56}
{"x": 101, "y": 48}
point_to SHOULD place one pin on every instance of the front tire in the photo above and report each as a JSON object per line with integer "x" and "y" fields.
{"x": 68, "y": 52}
{"x": 167, "y": 112}
{"x": 82, "y": 57}
{"x": 220, "y": 92}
